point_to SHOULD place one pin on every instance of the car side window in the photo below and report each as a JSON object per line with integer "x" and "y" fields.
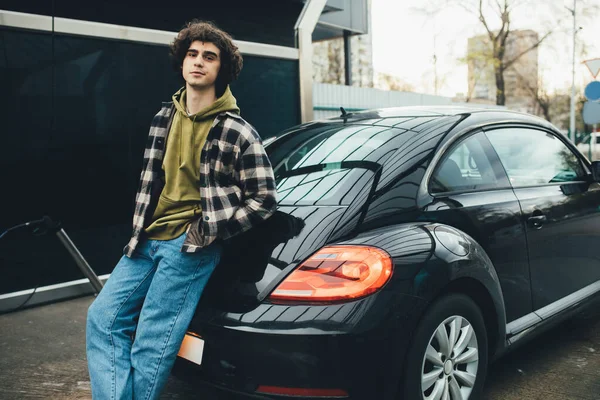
{"x": 464, "y": 167}
{"x": 533, "y": 157}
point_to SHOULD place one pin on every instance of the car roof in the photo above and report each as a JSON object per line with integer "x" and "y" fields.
{"x": 389, "y": 116}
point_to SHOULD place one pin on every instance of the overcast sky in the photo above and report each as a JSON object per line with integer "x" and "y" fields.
{"x": 405, "y": 39}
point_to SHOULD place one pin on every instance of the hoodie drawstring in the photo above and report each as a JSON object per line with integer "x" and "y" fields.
{"x": 193, "y": 130}
{"x": 180, "y": 140}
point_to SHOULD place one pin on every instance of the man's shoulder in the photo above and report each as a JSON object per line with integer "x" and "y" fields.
{"x": 167, "y": 106}
{"x": 164, "y": 114}
{"x": 236, "y": 120}
{"x": 237, "y": 129}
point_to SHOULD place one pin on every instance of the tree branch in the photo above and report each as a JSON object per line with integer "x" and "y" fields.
{"x": 505, "y": 28}
{"x": 499, "y": 8}
{"x": 533, "y": 91}
{"x": 501, "y": 32}
{"x": 465, "y": 7}
{"x": 484, "y": 22}
{"x": 538, "y": 93}
{"x": 521, "y": 54}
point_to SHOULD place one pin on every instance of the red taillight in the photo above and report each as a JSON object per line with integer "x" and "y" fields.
{"x": 337, "y": 273}
{"x": 303, "y": 392}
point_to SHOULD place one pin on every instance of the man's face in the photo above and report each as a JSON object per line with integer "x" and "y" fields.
{"x": 201, "y": 65}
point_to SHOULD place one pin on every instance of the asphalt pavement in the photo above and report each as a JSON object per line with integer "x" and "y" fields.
{"x": 42, "y": 356}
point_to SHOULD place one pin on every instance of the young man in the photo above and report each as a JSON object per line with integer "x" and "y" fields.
{"x": 205, "y": 178}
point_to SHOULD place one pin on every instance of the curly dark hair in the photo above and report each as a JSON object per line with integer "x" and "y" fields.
{"x": 205, "y": 31}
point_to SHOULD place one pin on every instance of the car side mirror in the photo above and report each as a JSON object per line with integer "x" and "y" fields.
{"x": 596, "y": 171}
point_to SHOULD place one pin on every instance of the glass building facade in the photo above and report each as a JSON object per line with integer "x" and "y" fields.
{"x": 75, "y": 114}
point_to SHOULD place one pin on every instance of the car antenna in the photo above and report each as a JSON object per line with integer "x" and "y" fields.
{"x": 345, "y": 114}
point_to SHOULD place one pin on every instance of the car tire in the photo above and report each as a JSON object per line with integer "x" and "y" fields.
{"x": 447, "y": 370}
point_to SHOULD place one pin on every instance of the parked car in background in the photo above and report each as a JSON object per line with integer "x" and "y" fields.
{"x": 411, "y": 247}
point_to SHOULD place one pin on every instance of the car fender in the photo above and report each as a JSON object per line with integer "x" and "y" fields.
{"x": 431, "y": 259}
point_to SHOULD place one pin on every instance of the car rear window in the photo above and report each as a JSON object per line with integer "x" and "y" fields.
{"x": 330, "y": 144}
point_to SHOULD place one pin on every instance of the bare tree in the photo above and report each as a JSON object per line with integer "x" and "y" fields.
{"x": 499, "y": 39}
{"x": 501, "y": 12}
{"x": 538, "y": 92}
{"x": 543, "y": 100}
{"x": 559, "y": 105}
{"x": 495, "y": 17}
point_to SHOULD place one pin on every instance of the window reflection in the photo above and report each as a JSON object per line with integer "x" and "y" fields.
{"x": 404, "y": 170}
{"x": 329, "y": 145}
{"x": 417, "y": 148}
{"x": 533, "y": 157}
{"x": 335, "y": 144}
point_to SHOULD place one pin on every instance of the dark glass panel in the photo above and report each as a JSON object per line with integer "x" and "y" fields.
{"x": 76, "y": 114}
{"x": 26, "y": 114}
{"x": 268, "y": 94}
{"x": 82, "y": 123}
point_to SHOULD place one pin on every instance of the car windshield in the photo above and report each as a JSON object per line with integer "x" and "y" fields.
{"x": 333, "y": 146}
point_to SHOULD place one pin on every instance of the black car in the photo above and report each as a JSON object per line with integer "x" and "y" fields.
{"x": 411, "y": 247}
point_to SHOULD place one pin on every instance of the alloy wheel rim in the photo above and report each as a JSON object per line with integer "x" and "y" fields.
{"x": 451, "y": 360}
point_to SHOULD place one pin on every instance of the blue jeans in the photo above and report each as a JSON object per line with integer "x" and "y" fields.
{"x": 151, "y": 297}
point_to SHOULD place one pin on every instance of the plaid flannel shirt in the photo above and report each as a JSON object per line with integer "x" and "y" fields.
{"x": 237, "y": 186}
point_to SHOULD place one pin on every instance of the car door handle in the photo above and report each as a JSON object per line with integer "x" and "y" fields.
{"x": 537, "y": 221}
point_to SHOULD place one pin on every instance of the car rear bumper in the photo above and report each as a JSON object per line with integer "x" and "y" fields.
{"x": 351, "y": 354}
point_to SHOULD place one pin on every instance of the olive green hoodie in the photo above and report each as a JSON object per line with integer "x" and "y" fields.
{"x": 179, "y": 202}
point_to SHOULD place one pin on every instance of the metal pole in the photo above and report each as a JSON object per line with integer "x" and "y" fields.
{"x": 593, "y": 144}
{"x": 591, "y": 151}
{"x": 307, "y": 21}
{"x": 572, "y": 121}
{"x": 347, "y": 58}
{"x": 81, "y": 263}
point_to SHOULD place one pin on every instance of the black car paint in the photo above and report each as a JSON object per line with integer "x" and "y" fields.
{"x": 493, "y": 219}
{"x": 562, "y": 221}
{"x": 426, "y": 262}
{"x": 319, "y": 346}
{"x": 559, "y": 261}
{"x": 324, "y": 343}
{"x": 251, "y": 341}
